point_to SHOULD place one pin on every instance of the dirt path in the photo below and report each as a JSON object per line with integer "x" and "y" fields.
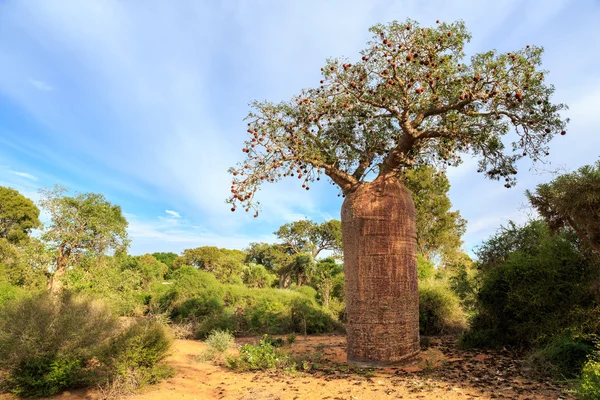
{"x": 440, "y": 372}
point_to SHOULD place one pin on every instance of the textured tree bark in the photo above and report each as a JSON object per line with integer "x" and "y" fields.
{"x": 285, "y": 280}
{"x": 56, "y": 281}
{"x": 380, "y": 265}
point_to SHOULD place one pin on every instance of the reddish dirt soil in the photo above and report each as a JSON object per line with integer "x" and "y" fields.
{"x": 441, "y": 372}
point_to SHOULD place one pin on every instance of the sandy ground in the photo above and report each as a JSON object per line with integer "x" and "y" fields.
{"x": 440, "y": 372}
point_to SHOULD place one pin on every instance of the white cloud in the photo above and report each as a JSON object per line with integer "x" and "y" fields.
{"x": 173, "y": 214}
{"x": 40, "y": 85}
{"x": 24, "y": 175}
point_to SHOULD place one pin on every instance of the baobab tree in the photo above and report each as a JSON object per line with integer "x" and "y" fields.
{"x": 412, "y": 99}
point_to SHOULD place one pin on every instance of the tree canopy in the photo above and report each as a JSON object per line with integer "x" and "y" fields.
{"x": 307, "y": 236}
{"x": 412, "y": 99}
{"x": 224, "y": 263}
{"x": 18, "y": 215}
{"x": 572, "y": 200}
{"x": 439, "y": 230}
{"x": 84, "y": 224}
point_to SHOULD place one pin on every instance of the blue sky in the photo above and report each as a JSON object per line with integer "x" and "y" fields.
{"x": 144, "y": 102}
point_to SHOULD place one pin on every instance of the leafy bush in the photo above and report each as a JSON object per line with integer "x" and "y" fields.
{"x": 103, "y": 277}
{"x": 290, "y": 339}
{"x": 183, "y": 330}
{"x": 425, "y": 268}
{"x": 440, "y": 312}
{"x": 308, "y": 291}
{"x": 261, "y": 356}
{"x": 309, "y": 318}
{"x": 10, "y": 292}
{"x": 137, "y": 352}
{"x": 225, "y": 321}
{"x": 46, "y": 343}
{"x": 534, "y": 286}
{"x": 188, "y": 283}
{"x": 562, "y": 358}
{"x": 220, "y": 341}
{"x": 257, "y": 276}
{"x": 588, "y": 387}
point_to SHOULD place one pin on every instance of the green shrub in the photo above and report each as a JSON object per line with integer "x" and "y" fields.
{"x": 261, "y": 356}
{"x": 45, "y": 342}
{"x": 534, "y": 286}
{"x": 257, "y": 276}
{"x": 204, "y": 305}
{"x": 220, "y": 341}
{"x": 188, "y": 283}
{"x": 10, "y": 292}
{"x": 196, "y": 297}
{"x": 46, "y": 376}
{"x": 308, "y": 318}
{"x": 425, "y": 268}
{"x": 270, "y": 317}
{"x": 440, "y": 312}
{"x": 290, "y": 339}
{"x": 225, "y": 321}
{"x": 102, "y": 277}
{"x": 308, "y": 291}
{"x": 588, "y": 387}
{"x": 138, "y": 351}
{"x": 562, "y": 358}
{"x": 273, "y": 341}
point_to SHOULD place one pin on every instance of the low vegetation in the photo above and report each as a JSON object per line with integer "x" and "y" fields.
{"x": 532, "y": 288}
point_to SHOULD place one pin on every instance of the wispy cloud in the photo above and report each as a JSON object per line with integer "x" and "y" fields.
{"x": 173, "y": 214}
{"x": 40, "y": 85}
{"x": 24, "y": 175}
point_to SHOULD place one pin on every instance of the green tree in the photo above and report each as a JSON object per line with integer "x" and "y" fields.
{"x": 306, "y": 236}
{"x": 275, "y": 257}
{"x": 225, "y": 264}
{"x": 84, "y": 224}
{"x": 18, "y": 215}
{"x": 439, "y": 230}
{"x": 149, "y": 268}
{"x": 572, "y": 200}
{"x": 166, "y": 258}
{"x": 25, "y": 265}
{"x": 413, "y": 99}
{"x": 257, "y": 276}
{"x": 304, "y": 240}
{"x": 323, "y": 277}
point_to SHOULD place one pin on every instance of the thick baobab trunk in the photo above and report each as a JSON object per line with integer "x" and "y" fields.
{"x": 380, "y": 266}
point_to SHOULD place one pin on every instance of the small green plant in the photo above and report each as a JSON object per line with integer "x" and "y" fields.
{"x": 273, "y": 341}
{"x": 290, "y": 339}
{"x": 309, "y": 361}
{"x": 589, "y": 382}
{"x": 220, "y": 341}
{"x": 261, "y": 356}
